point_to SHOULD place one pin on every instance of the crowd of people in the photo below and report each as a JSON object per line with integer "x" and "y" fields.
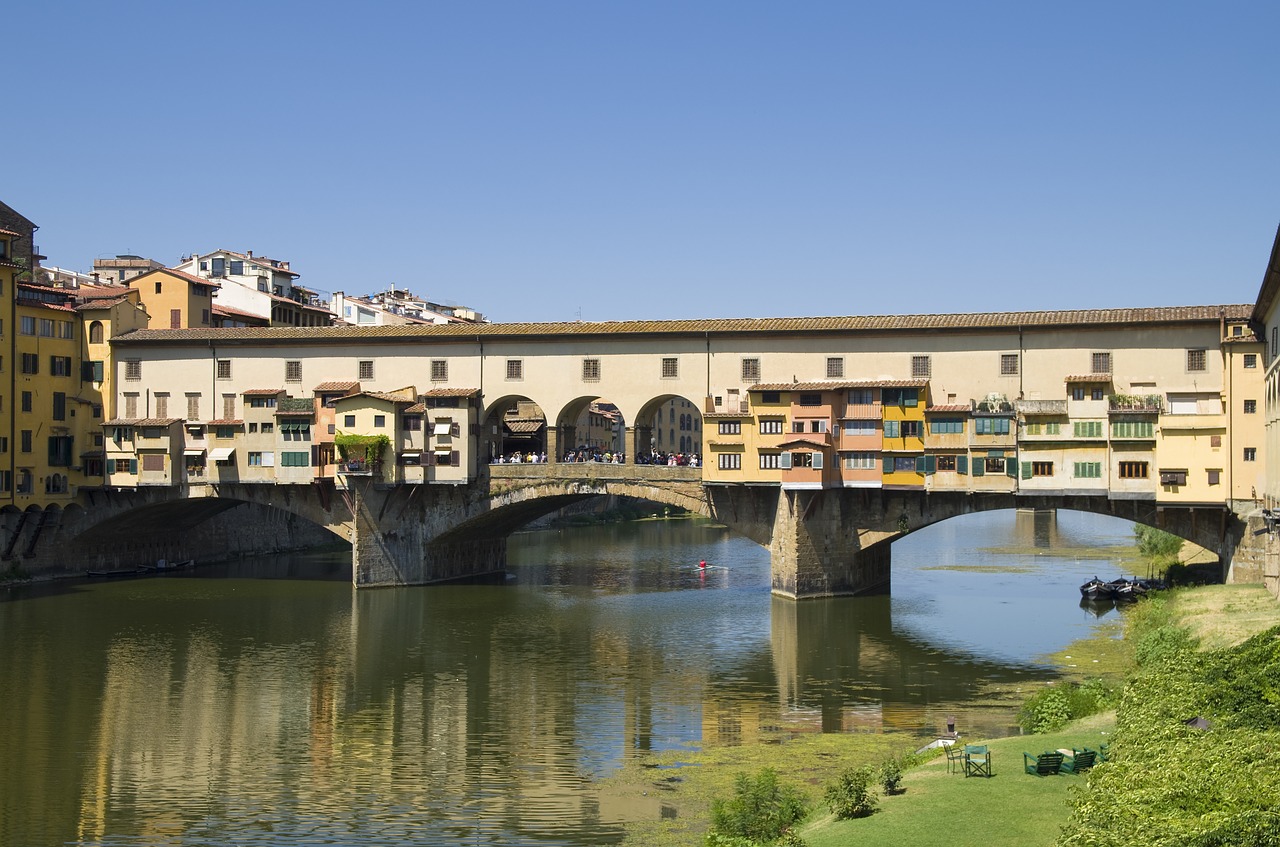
{"x": 595, "y": 454}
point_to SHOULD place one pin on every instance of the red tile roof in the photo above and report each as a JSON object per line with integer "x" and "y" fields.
{"x": 183, "y": 275}
{"x": 452, "y": 392}
{"x": 841, "y": 385}
{"x": 718, "y": 326}
{"x": 955, "y": 407}
{"x": 225, "y": 422}
{"x": 337, "y": 386}
{"x": 262, "y": 392}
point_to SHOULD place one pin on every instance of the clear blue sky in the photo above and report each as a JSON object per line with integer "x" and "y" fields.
{"x": 664, "y": 159}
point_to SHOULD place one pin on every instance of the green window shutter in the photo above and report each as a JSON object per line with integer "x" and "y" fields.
{"x": 888, "y": 464}
{"x": 1026, "y": 470}
{"x": 962, "y": 464}
{"x": 919, "y": 464}
{"x": 979, "y": 466}
{"x": 133, "y": 466}
{"x": 910, "y": 397}
{"x": 891, "y": 429}
{"x": 1011, "y": 468}
{"x": 930, "y": 464}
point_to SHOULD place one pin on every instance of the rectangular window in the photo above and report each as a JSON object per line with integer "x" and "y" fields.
{"x": 1101, "y": 363}
{"x": 60, "y": 365}
{"x": 910, "y": 429}
{"x": 811, "y": 399}
{"x": 1042, "y": 468}
{"x": 25, "y": 441}
{"x": 162, "y": 404}
{"x": 1088, "y": 470}
{"x": 771, "y": 427}
{"x": 1053, "y": 428}
{"x": 770, "y": 461}
{"x": 1215, "y": 476}
{"x": 862, "y": 427}
{"x": 193, "y": 407}
{"x": 751, "y": 371}
{"x": 730, "y": 427}
{"x": 861, "y": 397}
{"x": 229, "y": 406}
{"x": 946, "y": 426}
{"x": 1133, "y": 470}
{"x": 293, "y": 371}
{"x": 379, "y": 421}
{"x": 1087, "y": 429}
{"x": 124, "y": 466}
{"x": 835, "y": 367}
{"x": 1008, "y": 364}
{"x": 31, "y": 363}
{"x": 995, "y": 464}
{"x": 892, "y": 429}
{"x": 224, "y": 369}
{"x": 237, "y": 267}
{"x": 946, "y": 463}
{"x": 991, "y": 426}
{"x": 921, "y": 367}
{"x": 348, "y": 420}
{"x": 295, "y": 460}
{"x": 1133, "y": 429}
{"x": 59, "y": 406}
{"x": 1251, "y": 454}
{"x": 131, "y": 405}
{"x": 27, "y": 325}
{"x": 670, "y": 368}
{"x": 1077, "y": 392}
{"x": 412, "y": 423}
{"x": 364, "y": 370}
{"x": 153, "y": 462}
{"x": 46, "y": 327}
{"x": 1250, "y": 360}
{"x": 439, "y": 370}
{"x": 1096, "y": 392}
{"x": 132, "y": 370}
{"x": 1196, "y": 360}
{"x": 515, "y": 369}
{"x": 26, "y": 401}
{"x": 590, "y": 370}
{"x": 1250, "y": 407}
{"x": 904, "y": 464}
{"x": 730, "y": 461}
{"x": 860, "y": 461}
{"x": 220, "y": 267}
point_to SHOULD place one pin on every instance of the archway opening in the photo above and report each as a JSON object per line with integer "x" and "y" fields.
{"x": 669, "y": 431}
{"x": 514, "y": 429}
{"x": 590, "y": 429}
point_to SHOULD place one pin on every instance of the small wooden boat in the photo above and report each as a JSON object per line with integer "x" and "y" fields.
{"x": 1096, "y": 589}
{"x": 166, "y": 565}
{"x": 112, "y": 574}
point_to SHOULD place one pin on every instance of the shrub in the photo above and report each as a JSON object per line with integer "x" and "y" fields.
{"x": 850, "y": 796}
{"x": 761, "y": 810}
{"x": 1053, "y": 707}
{"x": 891, "y": 776}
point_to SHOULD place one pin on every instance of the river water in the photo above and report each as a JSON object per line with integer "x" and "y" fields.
{"x": 267, "y": 703}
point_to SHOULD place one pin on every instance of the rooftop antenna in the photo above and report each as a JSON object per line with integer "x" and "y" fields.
{"x": 579, "y": 314}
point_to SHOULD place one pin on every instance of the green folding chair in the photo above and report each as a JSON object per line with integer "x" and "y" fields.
{"x": 977, "y": 760}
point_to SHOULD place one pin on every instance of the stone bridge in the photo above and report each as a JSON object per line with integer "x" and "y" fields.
{"x": 821, "y": 542}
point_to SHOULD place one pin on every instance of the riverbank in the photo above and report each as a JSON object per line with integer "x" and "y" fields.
{"x": 938, "y": 806}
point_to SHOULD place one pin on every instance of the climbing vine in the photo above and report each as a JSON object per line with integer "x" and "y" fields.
{"x": 361, "y": 448}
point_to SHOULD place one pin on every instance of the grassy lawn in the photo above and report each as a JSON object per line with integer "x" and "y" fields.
{"x": 946, "y": 808}
{"x": 1225, "y": 615}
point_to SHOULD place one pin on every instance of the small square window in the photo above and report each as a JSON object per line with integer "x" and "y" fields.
{"x": 1101, "y": 363}
{"x": 670, "y": 368}
{"x": 293, "y": 371}
{"x": 515, "y": 369}
{"x": 751, "y": 371}
{"x": 1250, "y": 407}
{"x": 132, "y": 370}
{"x": 590, "y": 370}
{"x": 921, "y": 367}
{"x": 224, "y": 369}
{"x": 365, "y": 369}
{"x": 1251, "y": 360}
{"x": 835, "y": 367}
{"x": 1008, "y": 364}
{"x": 439, "y": 370}
{"x": 379, "y": 420}
{"x": 348, "y": 420}
{"x": 1196, "y": 360}
{"x": 1251, "y": 454}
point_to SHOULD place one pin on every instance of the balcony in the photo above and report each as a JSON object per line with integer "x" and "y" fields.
{"x": 862, "y": 411}
{"x": 1121, "y": 404}
{"x": 1031, "y": 408}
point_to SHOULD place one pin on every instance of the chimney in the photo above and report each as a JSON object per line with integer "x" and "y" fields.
{"x": 95, "y": 277}
{"x": 249, "y": 253}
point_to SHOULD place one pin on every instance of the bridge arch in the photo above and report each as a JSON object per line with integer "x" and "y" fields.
{"x": 668, "y": 423}
{"x": 592, "y": 423}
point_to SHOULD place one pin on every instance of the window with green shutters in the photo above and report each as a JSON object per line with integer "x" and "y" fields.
{"x": 1133, "y": 429}
{"x": 892, "y": 429}
{"x": 1035, "y": 429}
{"x": 979, "y": 466}
{"x": 1054, "y": 428}
{"x": 1026, "y": 470}
{"x": 295, "y": 459}
{"x": 1088, "y": 470}
{"x": 962, "y": 464}
{"x": 946, "y": 426}
{"x": 1088, "y": 429}
{"x": 991, "y": 426}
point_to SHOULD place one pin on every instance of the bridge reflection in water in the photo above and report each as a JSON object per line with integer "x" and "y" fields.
{"x": 256, "y": 711}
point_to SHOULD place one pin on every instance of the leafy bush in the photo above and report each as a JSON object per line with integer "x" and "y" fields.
{"x": 891, "y": 776}
{"x": 1054, "y": 707}
{"x": 761, "y": 811}
{"x": 1158, "y": 546}
{"x": 1162, "y": 644}
{"x": 850, "y": 796}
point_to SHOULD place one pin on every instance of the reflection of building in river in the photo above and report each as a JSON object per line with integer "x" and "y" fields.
{"x": 1036, "y": 528}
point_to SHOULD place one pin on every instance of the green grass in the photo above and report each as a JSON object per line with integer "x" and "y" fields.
{"x": 945, "y": 808}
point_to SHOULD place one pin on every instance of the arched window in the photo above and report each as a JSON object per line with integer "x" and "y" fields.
{"x": 673, "y": 414}
{"x": 95, "y": 332}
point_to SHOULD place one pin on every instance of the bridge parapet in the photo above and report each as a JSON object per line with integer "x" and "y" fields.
{"x": 594, "y": 470}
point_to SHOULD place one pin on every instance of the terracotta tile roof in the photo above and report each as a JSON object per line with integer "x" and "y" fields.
{"x": 955, "y": 407}
{"x": 841, "y": 385}
{"x": 36, "y": 304}
{"x": 10, "y": 233}
{"x": 1089, "y": 378}
{"x": 416, "y": 409}
{"x": 237, "y": 313}
{"x": 100, "y": 292}
{"x": 141, "y": 421}
{"x": 380, "y": 395}
{"x": 452, "y": 392}
{"x": 803, "y": 441}
{"x": 225, "y": 422}
{"x": 262, "y": 392}
{"x": 713, "y": 326}
{"x": 100, "y": 303}
{"x": 337, "y": 386}
{"x": 176, "y": 273}
{"x": 523, "y": 425}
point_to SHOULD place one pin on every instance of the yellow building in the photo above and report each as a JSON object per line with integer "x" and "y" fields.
{"x": 175, "y": 299}
{"x": 903, "y": 403}
{"x": 8, "y": 284}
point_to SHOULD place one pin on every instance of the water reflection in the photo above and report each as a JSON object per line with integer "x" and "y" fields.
{"x": 222, "y": 709}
